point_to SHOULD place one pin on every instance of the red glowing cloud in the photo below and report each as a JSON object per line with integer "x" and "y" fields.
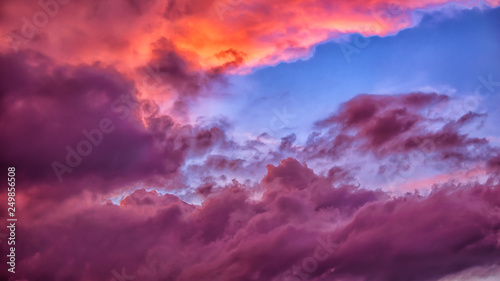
{"x": 209, "y": 34}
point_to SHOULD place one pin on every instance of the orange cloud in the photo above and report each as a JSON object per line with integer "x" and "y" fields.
{"x": 269, "y": 32}
{"x": 194, "y": 40}
{"x": 209, "y": 34}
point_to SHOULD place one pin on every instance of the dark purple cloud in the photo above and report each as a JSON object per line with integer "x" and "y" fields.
{"x": 305, "y": 225}
{"x": 85, "y": 127}
{"x": 294, "y": 224}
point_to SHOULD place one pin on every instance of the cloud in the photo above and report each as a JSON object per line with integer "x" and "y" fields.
{"x": 303, "y": 225}
{"x": 271, "y": 33}
{"x": 486, "y": 273}
{"x": 88, "y": 126}
{"x": 360, "y": 234}
{"x": 213, "y": 34}
{"x": 95, "y": 103}
{"x": 399, "y": 125}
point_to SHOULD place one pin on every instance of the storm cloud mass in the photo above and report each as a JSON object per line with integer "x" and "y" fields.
{"x": 132, "y": 129}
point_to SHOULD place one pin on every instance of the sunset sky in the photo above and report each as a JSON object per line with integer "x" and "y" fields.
{"x": 227, "y": 140}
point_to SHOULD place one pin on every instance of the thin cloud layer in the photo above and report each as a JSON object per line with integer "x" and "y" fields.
{"x": 399, "y": 125}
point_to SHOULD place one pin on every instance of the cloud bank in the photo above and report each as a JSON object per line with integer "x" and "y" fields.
{"x": 117, "y": 179}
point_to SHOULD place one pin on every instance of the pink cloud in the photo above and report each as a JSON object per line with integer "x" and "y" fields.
{"x": 358, "y": 233}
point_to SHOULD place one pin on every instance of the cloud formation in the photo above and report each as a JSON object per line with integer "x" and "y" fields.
{"x": 304, "y": 225}
{"x": 117, "y": 176}
{"x": 87, "y": 126}
{"x": 212, "y": 34}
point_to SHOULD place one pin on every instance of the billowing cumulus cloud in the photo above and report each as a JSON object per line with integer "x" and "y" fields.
{"x": 121, "y": 176}
{"x": 304, "y": 226}
{"x": 87, "y": 123}
{"x": 209, "y": 34}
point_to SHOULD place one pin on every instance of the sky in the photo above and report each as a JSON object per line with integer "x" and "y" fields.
{"x": 250, "y": 140}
